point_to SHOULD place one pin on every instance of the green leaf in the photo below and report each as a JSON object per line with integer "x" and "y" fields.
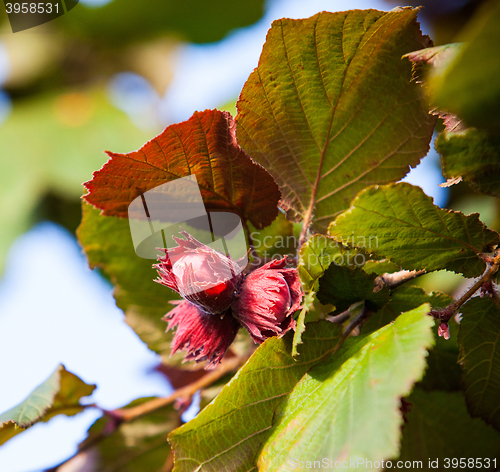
{"x": 108, "y": 244}
{"x": 437, "y": 57}
{"x": 342, "y": 286}
{"x": 307, "y": 306}
{"x": 400, "y": 222}
{"x": 440, "y": 428}
{"x": 472, "y": 155}
{"x": 60, "y": 394}
{"x": 312, "y": 311}
{"x": 331, "y": 108}
{"x": 466, "y": 153}
{"x": 347, "y": 407}
{"x": 200, "y": 22}
{"x": 432, "y": 62}
{"x": 469, "y": 85}
{"x": 442, "y": 372}
{"x": 380, "y": 267}
{"x": 316, "y": 255}
{"x": 138, "y": 445}
{"x": 276, "y": 240}
{"x": 228, "y": 433}
{"x": 480, "y": 358}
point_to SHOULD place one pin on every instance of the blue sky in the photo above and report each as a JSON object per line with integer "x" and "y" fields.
{"x": 53, "y": 309}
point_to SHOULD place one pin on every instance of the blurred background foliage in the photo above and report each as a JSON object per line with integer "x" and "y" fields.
{"x": 95, "y": 78}
{"x": 67, "y": 87}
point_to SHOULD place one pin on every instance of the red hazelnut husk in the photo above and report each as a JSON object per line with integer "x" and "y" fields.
{"x": 268, "y": 298}
{"x": 217, "y": 301}
{"x": 205, "y": 337}
{"x": 205, "y": 277}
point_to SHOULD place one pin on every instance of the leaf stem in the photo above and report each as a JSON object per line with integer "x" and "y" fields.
{"x": 305, "y": 228}
{"x": 169, "y": 463}
{"x": 251, "y": 243}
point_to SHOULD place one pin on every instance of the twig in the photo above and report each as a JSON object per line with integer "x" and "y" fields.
{"x": 452, "y": 309}
{"x": 129, "y": 414}
{"x": 486, "y": 277}
{"x": 122, "y": 415}
{"x": 397, "y": 278}
{"x": 340, "y": 318}
{"x": 365, "y": 313}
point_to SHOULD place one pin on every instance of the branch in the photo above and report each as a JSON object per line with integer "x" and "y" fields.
{"x": 486, "y": 277}
{"x": 122, "y": 415}
{"x": 129, "y": 414}
{"x": 452, "y": 309}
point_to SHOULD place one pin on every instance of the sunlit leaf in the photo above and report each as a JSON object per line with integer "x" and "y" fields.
{"x": 60, "y": 394}
{"x": 432, "y": 62}
{"x": 405, "y": 226}
{"x": 315, "y": 256}
{"x": 380, "y": 267}
{"x": 318, "y": 253}
{"x": 331, "y": 107}
{"x": 300, "y": 327}
{"x": 480, "y": 358}
{"x": 275, "y": 240}
{"x": 347, "y": 407}
{"x": 228, "y": 433}
{"x": 205, "y": 146}
{"x": 437, "y": 56}
{"x": 439, "y": 428}
{"x": 442, "y": 372}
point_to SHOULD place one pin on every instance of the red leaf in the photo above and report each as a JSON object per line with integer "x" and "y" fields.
{"x": 206, "y": 146}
